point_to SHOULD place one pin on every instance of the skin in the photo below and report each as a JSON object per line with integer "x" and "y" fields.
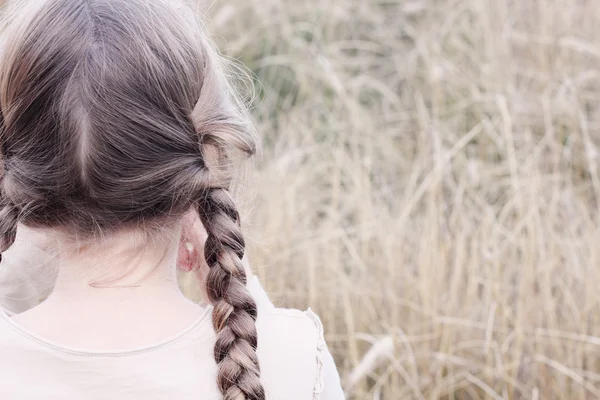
{"x": 113, "y": 296}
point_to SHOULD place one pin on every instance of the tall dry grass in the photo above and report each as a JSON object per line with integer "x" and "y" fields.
{"x": 430, "y": 186}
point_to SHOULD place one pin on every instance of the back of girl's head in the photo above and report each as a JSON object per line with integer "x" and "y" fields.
{"x": 108, "y": 111}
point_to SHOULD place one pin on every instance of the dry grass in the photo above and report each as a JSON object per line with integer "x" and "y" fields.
{"x": 430, "y": 187}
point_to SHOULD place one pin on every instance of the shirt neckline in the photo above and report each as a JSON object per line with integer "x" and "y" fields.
{"x": 6, "y": 315}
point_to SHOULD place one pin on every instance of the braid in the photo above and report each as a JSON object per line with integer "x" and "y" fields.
{"x": 235, "y": 312}
{"x": 8, "y": 225}
{"x": 9, "y": 215}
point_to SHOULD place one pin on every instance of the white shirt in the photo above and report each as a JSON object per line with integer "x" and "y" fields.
{"x": 294, "y": 359}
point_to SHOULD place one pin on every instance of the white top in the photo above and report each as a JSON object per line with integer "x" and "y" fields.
{"x": 294, "y": 360}
{"x": 295, "y": 363}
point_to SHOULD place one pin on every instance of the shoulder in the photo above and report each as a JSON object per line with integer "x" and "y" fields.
{"x": 293, "y": 353}
{"x": 288, "y": 330}
{"x": 284, "y": 326}
{"x": 290, "y": 346}
{"x": 5, "y": 325}
{"x": 12, "y": 346}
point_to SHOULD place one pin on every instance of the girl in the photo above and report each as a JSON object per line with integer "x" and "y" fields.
{"x": 119, "y": 131}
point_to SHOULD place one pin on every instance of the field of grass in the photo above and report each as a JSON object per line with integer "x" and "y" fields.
{"x": 430, "y": 186}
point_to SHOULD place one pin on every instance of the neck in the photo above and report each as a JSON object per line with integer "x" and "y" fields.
{"x": 121, "y": 266}
{"x": 116, "y": 293}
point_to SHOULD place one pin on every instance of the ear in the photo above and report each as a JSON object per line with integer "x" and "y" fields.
{"x": 191, "y": 244}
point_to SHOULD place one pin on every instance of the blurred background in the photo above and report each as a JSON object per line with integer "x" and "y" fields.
{"x": 430, "y": 187}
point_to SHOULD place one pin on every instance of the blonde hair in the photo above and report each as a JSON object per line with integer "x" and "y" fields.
{"x": 108, "y": 109}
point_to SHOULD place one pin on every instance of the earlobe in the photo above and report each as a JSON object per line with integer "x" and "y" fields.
{"x": 185, "y": 257}
{"x": 191, "y": 244}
